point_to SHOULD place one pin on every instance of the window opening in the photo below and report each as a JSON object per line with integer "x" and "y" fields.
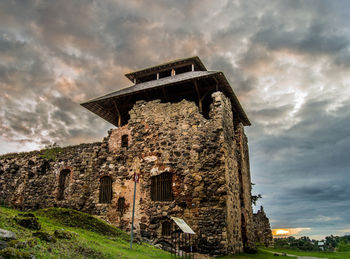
{"x": 184, "y": 69}
{"x": 161, "y": 187}
{"x": 121, "y": 205}
{"x": 207, "y": 101}
{"x": 166, "y": 228}
{"x": 105, "y": 189}
{"x": 125, "y": 141}
{"x": 147, "y": 78}
{"x": 62, "y": 183}
{"x": 165, "y": 73}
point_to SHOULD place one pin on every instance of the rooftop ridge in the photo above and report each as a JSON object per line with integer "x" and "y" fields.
{"x": 195, "y": 60}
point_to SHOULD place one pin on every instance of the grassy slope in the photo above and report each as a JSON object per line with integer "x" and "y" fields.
{"x": 260, "y": 255}
{"x": 96, "y": 239}
{"x": 88, "y": 243}
{"x": 329, "y": 255}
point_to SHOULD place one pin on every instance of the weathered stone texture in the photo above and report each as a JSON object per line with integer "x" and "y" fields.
{"x": 208, "y": 160}
{"x": 262, "y": 229}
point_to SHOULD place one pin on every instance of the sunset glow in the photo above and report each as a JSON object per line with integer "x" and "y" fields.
{"x": 282, "y": 232}
{"x": 288, "y": 231}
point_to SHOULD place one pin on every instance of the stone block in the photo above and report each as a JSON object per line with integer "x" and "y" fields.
{"x": 7, "y": 235}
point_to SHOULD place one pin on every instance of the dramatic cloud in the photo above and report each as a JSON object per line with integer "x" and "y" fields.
{"x": 288, "y": 62}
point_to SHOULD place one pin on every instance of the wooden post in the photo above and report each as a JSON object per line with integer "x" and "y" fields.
{"x": 164, "y": 94}
{"x": 133, "y": 215}
{"x": 192, "y": 67}
{"x": 199, "y": 97}
{"x": 217, "y": 84}
{"x": 119, "y": 115}
{"x": 157, "y": 76}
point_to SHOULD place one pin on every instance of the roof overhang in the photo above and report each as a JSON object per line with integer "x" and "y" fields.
{"x": 179, "y": 86}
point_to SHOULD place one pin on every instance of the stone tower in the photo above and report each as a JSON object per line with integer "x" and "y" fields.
{"x": 181, "y": 128}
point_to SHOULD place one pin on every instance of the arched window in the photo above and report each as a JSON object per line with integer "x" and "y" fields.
{"x": 62, "y": 183}
{"x": 161, "y": 187}
{"x": 105, "y": 189}
{"x": 166, "y": 228}
{"x": 125, "y": 140}
{"x": 121, "y": 205}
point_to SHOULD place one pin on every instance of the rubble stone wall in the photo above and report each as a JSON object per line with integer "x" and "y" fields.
{"x": 245, "y": 189}
{"x": 262, "y": 228}
{"x": 204, "y": 156}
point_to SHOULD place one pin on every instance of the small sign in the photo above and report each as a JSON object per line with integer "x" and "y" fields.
{"x": 136, "y": 177}
{"x": 183, "y": 225}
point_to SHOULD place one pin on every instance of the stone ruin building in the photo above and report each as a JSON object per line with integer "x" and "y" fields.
{"x": 181, "y": 128}
{"x": 262, "y": 228}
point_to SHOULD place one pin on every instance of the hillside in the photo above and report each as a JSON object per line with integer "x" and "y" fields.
{"x": 64, "y": 233}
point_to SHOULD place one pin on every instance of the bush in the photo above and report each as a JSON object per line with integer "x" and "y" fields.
{"x": 51, "y": 152}
{"x": 11, "y": 252}
{"x": 62, "y": 234}
{"x": 343, "y": 247}
{"x": 44, "y": 236}
{"x": 28, "y": 222}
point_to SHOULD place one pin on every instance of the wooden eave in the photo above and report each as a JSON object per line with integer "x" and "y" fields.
{"x": 123, "y": 100}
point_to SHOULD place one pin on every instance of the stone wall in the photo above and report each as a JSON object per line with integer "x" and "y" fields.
{"x": 262, "y": 229}
{"x": 207, "y": 159}
{"x": 29, "y": 181}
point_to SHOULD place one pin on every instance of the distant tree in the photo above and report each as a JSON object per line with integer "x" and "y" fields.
{"x": 281, "y": 243}
{"x": 255, "y": 198}
{"x": 331, "y": 243}
{"x": 343, "y": 246}
{"x": 303, "y": 243}
{"x": 291, "y": 239}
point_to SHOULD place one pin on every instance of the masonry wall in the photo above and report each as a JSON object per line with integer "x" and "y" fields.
{"x": 208, "y": 160}
{"x": 262, "y": 229}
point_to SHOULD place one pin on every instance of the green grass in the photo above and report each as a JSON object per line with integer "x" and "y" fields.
{"x": 261, "y": 254}
{"x": 329, "y": 255}
{"x": 92, "y": 238}
{"x": 51, "y": 153}
{"x": 73, "y": 218}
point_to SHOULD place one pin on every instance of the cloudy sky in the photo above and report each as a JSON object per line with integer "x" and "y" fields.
{"x": 288, "y": 62}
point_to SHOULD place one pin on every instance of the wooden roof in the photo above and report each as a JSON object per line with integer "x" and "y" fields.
{"x": 172, "y": 88}
{"x": 165, "y": 66}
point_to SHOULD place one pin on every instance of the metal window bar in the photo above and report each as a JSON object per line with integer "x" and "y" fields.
{"x": 105, "y": 189}
{"x": 183, "y": 245}
{"x": 166, "y": 228}
{"x": 161, "y": 187}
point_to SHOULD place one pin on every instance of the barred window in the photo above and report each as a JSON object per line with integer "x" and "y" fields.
{"x": 161, "y": 187}
{"x": 125, "y": 141}
{"x": 106, "y": 189}
{"x": 166, "y": 228}
{"x": 62, "y": 183}
{"x": 121, "y": 205}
